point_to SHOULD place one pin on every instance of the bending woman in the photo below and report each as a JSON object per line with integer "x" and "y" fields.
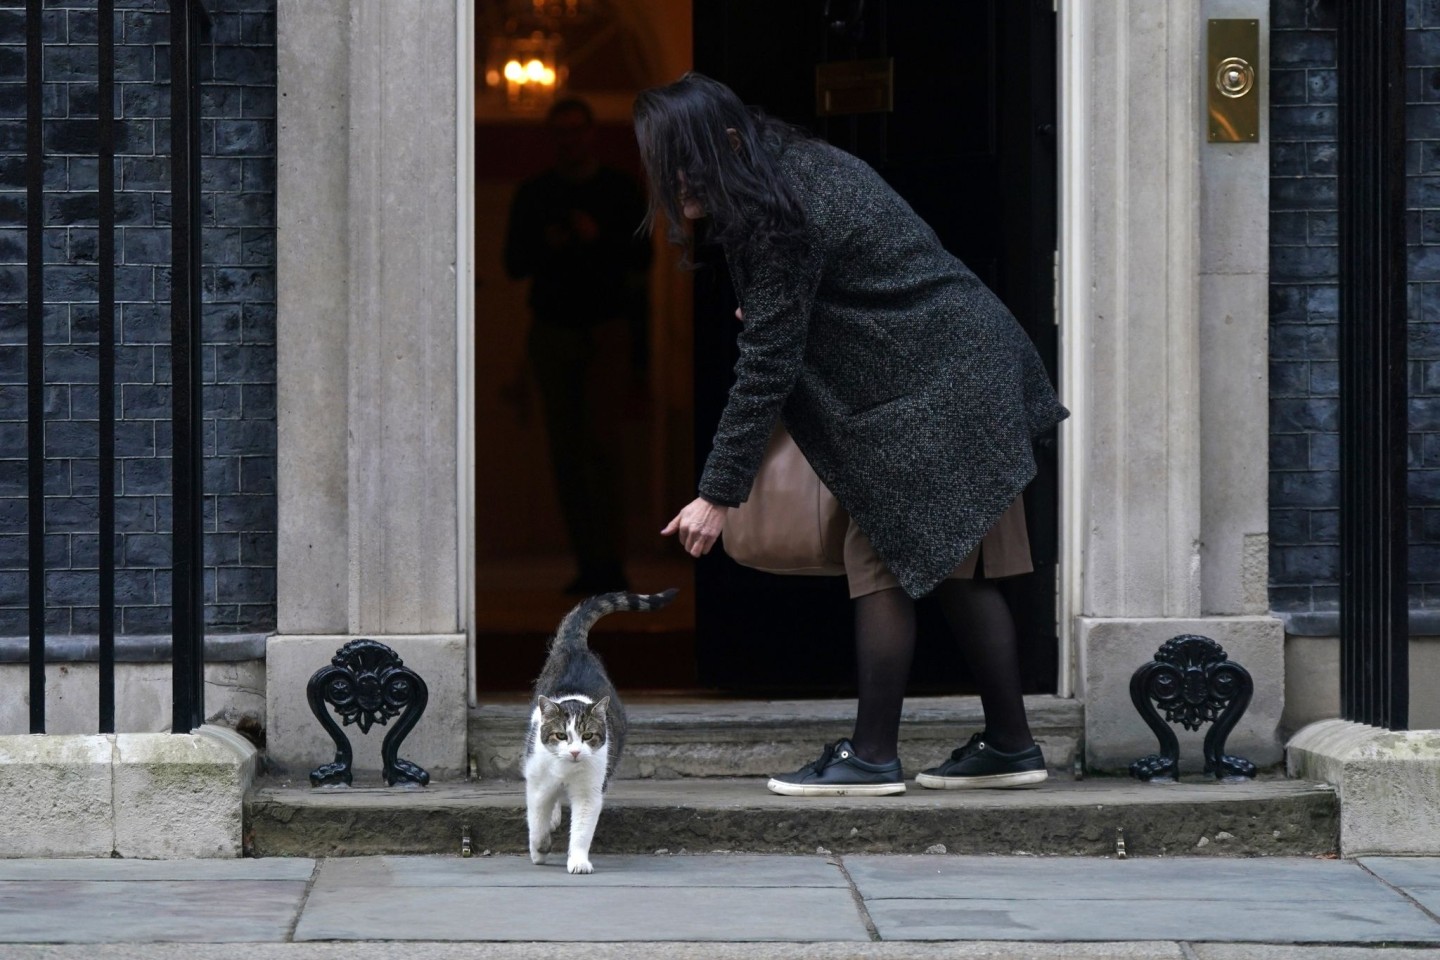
{"x": 907, "y": 384}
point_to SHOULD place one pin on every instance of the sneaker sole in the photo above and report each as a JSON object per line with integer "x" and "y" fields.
{"x": 1003, "y": 781}
{"x": 846, "y": 790}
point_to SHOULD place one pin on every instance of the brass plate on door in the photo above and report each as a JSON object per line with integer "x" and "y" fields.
{"x": 854, "y": 86}
{"x": 1232, "y": 81}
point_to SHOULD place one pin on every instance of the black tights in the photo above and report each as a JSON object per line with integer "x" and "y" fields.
{"x": 979, "y": 617}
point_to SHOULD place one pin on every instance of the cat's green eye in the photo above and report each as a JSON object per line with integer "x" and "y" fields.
{"x": 589, "y": 736}
{"x": 559, "y": 736}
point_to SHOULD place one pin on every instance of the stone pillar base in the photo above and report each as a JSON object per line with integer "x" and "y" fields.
{"x": 1388, "y": 783}
{"x": 143, "y": 795}
{"x": 295, "y": 743}
{"x": 1110, "y": 650}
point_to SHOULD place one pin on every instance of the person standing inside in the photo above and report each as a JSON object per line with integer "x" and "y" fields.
{"x": 572, "y": 233}
{"x": 909, "y": 387}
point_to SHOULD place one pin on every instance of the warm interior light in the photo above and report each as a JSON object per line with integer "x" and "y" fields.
{"x": 527, "y": 70}
{"x": 534, "y": 71}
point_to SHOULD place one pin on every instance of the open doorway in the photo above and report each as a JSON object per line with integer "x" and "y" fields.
{"x": 970, "y": 142}
{"x": 613, "y": 377}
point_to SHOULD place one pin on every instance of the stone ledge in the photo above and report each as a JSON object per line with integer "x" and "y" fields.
{"x": 671, "y": 738}
{"x": 135, "y": 648}
{"x": 234, "y": 693}
{"x": 58, "y": 796}
{"x": 143, "y": 795}
{"x": 1388, "y": 783}
{"x": 1274, "y": 817}
{"x": 1423, "y": 622}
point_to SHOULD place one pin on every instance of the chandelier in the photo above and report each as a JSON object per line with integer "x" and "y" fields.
{"x": 527, "y": 70}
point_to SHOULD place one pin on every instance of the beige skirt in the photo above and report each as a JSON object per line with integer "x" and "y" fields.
{"x": 1006, "y": 549}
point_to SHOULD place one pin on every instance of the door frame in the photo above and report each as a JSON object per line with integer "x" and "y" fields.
{"x": 465, "y": 330}
{"x": 1072, "y": 306}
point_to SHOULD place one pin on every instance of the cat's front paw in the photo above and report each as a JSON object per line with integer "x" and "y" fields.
{"x": 579, "y": 865}
{"x": 537, "y": 856}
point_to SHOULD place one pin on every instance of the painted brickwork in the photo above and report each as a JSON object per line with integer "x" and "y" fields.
{"x": 238, "y": 170}
{"x": 1304, "y": 377}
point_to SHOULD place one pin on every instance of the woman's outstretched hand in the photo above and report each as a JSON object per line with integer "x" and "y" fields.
{"x": 699, "y": 526}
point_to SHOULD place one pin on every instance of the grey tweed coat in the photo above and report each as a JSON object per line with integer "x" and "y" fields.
{"x": 907, "y": 384}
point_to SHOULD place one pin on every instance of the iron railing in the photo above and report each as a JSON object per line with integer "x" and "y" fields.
{"x": 1374, "y": 629}
{"x": 187, "y": 20}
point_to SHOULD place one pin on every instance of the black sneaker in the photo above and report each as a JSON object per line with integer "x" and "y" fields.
{"x": 839, "y": 773}
{"x": 977, "y": 764}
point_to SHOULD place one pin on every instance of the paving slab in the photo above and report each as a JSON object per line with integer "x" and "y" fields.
{"x": 274, "y": 868}
{"x": 1419, "y": 877}
{"x": 1290, "y": 879}
{"x": 718, "y": 951}
{"x": 1271, "y": 951}
{"x": 1074, "y": 919}
{"x": 79, "y": 911}
{"x": 635, "y": 951}
{"x": 617, "y": 871}
{"x": 667, "y": 912}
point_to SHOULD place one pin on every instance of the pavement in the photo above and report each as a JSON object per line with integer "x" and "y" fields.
{"x": 817, "y": 907}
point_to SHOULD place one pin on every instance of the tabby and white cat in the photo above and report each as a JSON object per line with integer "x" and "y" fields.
{"x": 577, "y": 730}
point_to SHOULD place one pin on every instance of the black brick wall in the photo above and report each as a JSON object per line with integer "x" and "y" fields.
{"x": 238, "y": 170}
{"x": 1304, "y": 452}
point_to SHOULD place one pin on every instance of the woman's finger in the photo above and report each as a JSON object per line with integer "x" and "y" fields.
{"x": 671, "y": 527}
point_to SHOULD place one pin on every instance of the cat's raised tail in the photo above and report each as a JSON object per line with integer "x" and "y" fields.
{"x": 575, "y": 628}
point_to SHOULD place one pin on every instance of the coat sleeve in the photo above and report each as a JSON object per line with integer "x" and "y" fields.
{"x": 776, "y": 298}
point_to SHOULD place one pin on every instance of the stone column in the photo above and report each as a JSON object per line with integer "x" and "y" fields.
{"x": 1142, "y": 554}
{"x": 1177, "y": 414}
{"x": 367, "y": 363}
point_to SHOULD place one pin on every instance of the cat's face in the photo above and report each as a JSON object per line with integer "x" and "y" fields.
{"x": 571, "y": 730}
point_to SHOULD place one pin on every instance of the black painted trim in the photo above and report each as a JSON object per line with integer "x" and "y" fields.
{"x": 106, "y": 131}
{"x": 188, "y": 579}
{"x": 35, "y": 348}
{"x": 1374, "y": 670}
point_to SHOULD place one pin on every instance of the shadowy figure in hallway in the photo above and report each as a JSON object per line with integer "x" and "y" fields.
{"x": 572, "y": 232}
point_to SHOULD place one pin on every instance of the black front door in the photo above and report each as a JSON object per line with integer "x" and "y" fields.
{"x": 970, "y": 144}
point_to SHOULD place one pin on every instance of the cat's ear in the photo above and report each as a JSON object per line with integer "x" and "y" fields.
{"x": 598, "y": 708}
{"x": 546, "y": 705}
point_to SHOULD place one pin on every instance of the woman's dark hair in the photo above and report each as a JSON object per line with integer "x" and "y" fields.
{"x": 682, "y": 129}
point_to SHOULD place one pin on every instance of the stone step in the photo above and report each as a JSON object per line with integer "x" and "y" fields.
{"x": 678, "y": 737}
{"x": 1065, "y": 817}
